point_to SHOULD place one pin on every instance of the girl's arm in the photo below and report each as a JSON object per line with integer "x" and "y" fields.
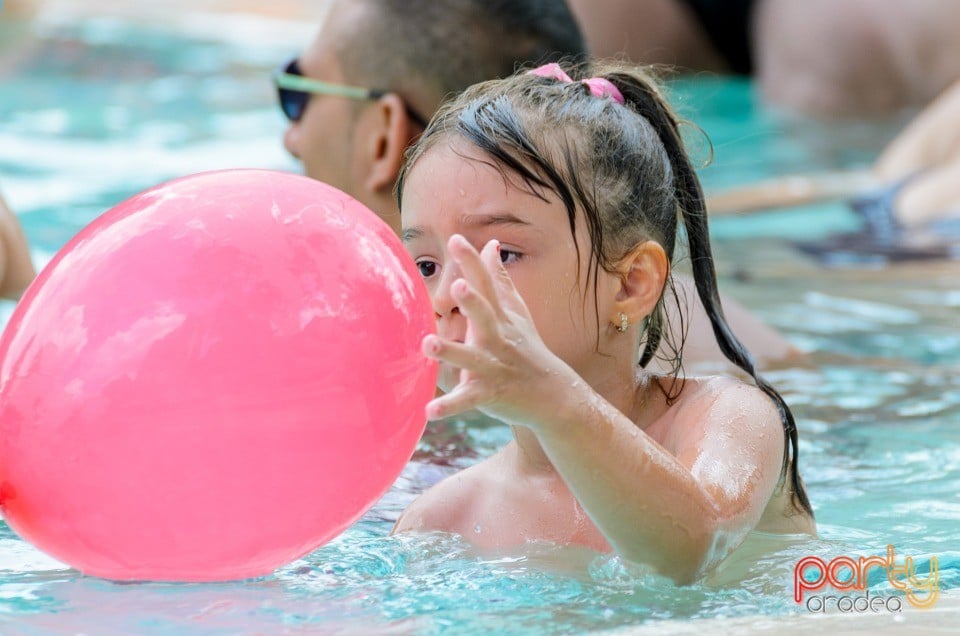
{"x": 680, "y": 512}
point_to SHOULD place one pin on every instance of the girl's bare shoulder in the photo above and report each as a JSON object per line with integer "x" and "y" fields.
{"x": 720, "y": 393}
{"x": 708, "y": 406}
{"x": 446, "y": 504}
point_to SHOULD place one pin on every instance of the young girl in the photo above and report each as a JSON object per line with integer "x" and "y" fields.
{"x": 542, "y": 213}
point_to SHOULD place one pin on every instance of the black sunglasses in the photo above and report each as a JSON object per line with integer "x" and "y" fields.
{"x": 294, "y": 91}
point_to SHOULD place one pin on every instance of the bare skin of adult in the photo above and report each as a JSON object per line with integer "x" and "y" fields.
{"x": 930, "y": 145}
{"x": 927, "y": 150}
{"x": 16, "y": 268}
{"x": 650, "y": 32}
{"x": 855, "y": 58}
{"x": 20, "y": 8}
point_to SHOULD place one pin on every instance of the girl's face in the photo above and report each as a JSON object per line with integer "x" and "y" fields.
{"x": 455, "y": 189}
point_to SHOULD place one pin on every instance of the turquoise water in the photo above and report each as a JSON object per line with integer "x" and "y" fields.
{"x": 87, "y": 118}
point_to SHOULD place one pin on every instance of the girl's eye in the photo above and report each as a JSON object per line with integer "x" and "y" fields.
{"x": 509, "y": 256}
{"x": 427, "y": 268}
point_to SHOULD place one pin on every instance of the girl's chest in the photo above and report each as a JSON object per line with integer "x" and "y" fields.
{"x": 514, "y": 510}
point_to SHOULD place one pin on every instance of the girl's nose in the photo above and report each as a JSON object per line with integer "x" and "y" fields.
{"x": 444, "y": 305}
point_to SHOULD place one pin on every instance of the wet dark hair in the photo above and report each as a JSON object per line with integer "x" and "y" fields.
{"x": 624, "y": 166}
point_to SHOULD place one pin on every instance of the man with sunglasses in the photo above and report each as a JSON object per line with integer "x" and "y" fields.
{"x": 378, "y": 69}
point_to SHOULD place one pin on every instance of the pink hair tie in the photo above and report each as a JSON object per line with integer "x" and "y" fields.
{"x": 602, "y": 87}
{"x": 551, "y": 71}
{"x": 599, "y": 86}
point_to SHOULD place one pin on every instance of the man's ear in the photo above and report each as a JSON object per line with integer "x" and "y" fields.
{"x": 643, "y": 274}
{"x": 390, "y": 133}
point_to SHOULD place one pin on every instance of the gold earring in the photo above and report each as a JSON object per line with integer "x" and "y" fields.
{"x": 624, "y": 324}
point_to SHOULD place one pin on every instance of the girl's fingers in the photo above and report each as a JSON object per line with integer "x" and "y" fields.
{"x": 507, "y": 294}
{"x": 473, "y": 268}
{"x": 477, "y": 309}
{"x": 457, "y": 354}
{"x": 460, "y": 399}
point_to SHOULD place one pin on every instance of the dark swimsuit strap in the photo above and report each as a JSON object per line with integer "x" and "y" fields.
{"x": 884, "y": 239}
{"x": 877, "y": 209}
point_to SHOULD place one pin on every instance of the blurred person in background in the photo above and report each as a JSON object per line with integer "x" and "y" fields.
{"x": 908, "y": 200}
{"x": 854, "y": 58}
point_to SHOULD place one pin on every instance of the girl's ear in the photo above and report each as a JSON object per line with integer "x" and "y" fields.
{"x": 643, "y": 274}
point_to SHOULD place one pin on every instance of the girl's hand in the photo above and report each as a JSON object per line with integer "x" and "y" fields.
{"x": 506, "y": 370}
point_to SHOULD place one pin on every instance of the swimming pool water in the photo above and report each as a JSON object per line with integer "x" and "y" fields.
{"x": 96, "y": 110}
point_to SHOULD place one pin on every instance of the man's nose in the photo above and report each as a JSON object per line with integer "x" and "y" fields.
{"x": 291, "y": 140}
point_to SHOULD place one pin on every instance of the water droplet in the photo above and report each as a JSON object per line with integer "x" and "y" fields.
{"x": 476, "y": 528}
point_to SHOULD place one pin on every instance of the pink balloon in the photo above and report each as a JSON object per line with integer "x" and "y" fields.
{"x": 212, "y": 379}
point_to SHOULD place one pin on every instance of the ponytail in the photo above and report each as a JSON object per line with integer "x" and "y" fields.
{"x": 644, "y": 98}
